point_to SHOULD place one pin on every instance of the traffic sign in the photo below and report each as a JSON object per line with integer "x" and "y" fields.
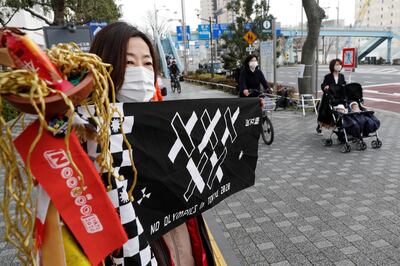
{"x": 248, "y": 26}
{"x": 267, "y": 26}
{"x": 179, "y": 33}
{"x": 250, "y": 49}
{"x": 349, "y": 57}
{"x": 250, "y": 37}
{"x": 95, "y": 27}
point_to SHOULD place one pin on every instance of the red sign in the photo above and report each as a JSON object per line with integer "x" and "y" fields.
{"x": 349, "y": 57}
{"x": 88, "y": 212}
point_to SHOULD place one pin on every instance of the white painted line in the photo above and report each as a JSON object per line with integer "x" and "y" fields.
{"x": 380, "y": 100}
{"x": 384, "y": 84}
{"x": 381, "y": 93}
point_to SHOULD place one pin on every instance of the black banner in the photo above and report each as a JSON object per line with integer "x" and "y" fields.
{"x": 189, "y": 154}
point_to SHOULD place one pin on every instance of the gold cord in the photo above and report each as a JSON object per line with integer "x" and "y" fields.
{"x": 18, "y": 182}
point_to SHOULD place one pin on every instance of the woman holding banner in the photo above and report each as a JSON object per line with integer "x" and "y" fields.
{"x": 134, "y": 62}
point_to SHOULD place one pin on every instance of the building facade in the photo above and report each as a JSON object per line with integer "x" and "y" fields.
{"x": 216, "y": 9}
{"x": 377, "y": 13}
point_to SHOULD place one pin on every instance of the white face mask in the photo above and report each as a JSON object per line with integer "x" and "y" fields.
{"x": 253, "y": 65}
{"x": 138, "y": 85}
{"x": 338, "y": 68}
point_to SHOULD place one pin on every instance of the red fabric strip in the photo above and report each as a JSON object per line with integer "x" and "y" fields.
{"x": 199, "y": 253}
{"x": 89, "y": 214}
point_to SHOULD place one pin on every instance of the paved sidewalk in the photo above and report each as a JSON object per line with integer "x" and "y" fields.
{"x": 311, "y": 205}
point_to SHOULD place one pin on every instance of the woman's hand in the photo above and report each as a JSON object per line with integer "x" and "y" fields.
{"x": 246, "y": 92}
{"x": 326, "y": 88}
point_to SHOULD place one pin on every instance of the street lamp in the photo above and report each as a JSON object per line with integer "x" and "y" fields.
{"x": 210, "y": 21}
{"x": 155, "y": 30}
{"x": 185, "y": 63}
{"x": 337, "y": 25}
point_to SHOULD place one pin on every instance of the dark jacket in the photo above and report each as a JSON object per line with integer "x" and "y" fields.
{"x": 173, "y": 70}
{"x": 330, "y": 80}
{"x": 324, "y": 111}
{"x": 251, "y": 81}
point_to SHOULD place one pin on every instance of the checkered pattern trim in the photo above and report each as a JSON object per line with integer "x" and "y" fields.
{"x": 136, "y": 251}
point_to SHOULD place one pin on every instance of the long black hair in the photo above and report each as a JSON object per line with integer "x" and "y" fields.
{"x": 111, "y": 45}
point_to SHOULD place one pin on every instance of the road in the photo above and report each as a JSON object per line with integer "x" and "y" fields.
{"x": 381, "y": 83}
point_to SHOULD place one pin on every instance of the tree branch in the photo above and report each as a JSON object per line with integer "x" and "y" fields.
{"x": 41, "y": 3}
{"x": 9, "y": 19}
{"x": 33, "y": 13}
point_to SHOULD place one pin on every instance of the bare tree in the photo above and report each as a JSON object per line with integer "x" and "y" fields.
{"x": 159, "y": 27}
{"x": 329, "y": 42}
{"x": 314, "y": 14}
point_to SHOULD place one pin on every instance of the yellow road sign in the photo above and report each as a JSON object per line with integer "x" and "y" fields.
{"x": 250, "y": 37}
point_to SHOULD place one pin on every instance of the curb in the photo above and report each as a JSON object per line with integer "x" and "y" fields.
{"x": 223, "y": 248}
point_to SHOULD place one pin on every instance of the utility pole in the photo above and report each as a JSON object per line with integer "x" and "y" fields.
{"x": 156, "y": 22}
{"x": 301, "y": 29}
{"x": 211, "y": 51}
{"x": 316, "y": 64}
{"x": 337, "y": 25}
{"x": 185, "y": 63}
{"x": 274, "y": 49}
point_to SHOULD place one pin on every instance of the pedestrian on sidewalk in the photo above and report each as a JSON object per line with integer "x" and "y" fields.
{"x": 251, "y": 78}
{"x": 334, "y": 78}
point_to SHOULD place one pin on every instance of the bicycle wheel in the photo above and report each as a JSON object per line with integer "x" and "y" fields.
{"x": 173, "y": 86}
{"x": 178, "y": 86}
{"x": 267, "y": 132}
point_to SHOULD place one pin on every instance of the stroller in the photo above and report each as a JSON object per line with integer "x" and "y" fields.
{"x": 352, "y": 126}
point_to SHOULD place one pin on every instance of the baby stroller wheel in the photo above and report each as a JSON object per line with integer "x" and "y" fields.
{"x": 346, "y": 148}
{"x": 379, "y": 143}
{"x": 376, "y": 144}
{"x": 328, "y": 142}
{"x": 373, "y": 144}
{"x": 362, "y": 145}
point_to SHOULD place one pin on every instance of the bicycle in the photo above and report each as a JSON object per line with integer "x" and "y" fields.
{"x": 267, "y": 132}
{"x": 175, "y": 84}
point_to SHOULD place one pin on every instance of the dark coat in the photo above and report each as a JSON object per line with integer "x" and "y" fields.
{"x": 330, "y": 80}
{"x": 174, "y": 70}
{"x": 251, "y": 81}
{"x": 324, "y": 111}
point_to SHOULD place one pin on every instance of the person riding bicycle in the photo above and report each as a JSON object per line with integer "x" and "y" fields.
{"x": 251, "y": 78}
{"x": 174, "y": 70}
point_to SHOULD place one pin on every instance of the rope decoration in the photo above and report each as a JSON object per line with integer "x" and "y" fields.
{"x": 19, "y": 182}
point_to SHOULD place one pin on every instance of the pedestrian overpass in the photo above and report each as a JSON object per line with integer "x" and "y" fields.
{"x": 378, "y": 35}
{"x": 166, "y": 47}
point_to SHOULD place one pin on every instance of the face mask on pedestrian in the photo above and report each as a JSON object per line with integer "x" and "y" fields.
{"x": 253, "y": 65}
{"x": 338, "y": 68}
{"x": 138, "y": 85}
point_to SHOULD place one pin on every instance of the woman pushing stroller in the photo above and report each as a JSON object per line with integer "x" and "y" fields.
{"x": 334, "y": 78}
